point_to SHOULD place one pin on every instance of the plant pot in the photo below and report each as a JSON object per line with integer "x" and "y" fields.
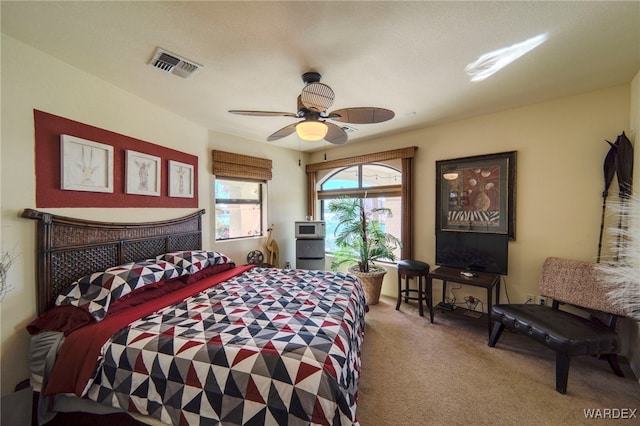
{"x": 371, "y": 282}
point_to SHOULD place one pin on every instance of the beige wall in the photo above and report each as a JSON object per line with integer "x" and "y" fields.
{"x": 33, "y": 80}
{"x": 560, "y": 147}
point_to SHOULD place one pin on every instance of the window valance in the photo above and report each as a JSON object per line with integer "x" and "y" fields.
{"x": 395, "y": 154}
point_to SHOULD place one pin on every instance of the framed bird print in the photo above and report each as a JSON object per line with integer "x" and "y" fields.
{"x": 180, "y": 179}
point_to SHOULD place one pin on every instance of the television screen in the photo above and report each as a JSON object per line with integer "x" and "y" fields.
{"x": 473, "y": 251}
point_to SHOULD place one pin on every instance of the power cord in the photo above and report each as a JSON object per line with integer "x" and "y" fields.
{"x": 452, "y": 299}
{"x": 506, "y": 292}
{"x": 472, "y": 302}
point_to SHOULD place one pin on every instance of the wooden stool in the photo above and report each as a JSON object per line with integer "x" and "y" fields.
{"x": 409, "y": 269}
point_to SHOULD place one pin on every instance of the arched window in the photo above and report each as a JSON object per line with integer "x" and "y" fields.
{"x": 379, "y": 185}
{"x": 384, "y": 176}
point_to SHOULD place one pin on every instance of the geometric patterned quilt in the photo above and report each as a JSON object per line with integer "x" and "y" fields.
{"x": 267, "y": 347}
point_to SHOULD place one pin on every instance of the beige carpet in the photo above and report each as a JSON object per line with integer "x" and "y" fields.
{"x": 417, "y": 373}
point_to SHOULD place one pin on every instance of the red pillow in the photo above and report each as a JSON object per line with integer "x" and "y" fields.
{"x": 206, "y": 272}
{"x": 146, "y": 293}
{"x": 65, "y": 318}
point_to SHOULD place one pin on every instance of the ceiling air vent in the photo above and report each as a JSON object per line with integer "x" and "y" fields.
{"x": 174, "y": 64}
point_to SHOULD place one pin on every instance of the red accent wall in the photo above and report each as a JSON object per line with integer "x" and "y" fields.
{"x": 49, "y": 127}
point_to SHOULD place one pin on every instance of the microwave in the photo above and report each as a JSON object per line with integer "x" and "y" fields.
{"x": 310, "y": 229}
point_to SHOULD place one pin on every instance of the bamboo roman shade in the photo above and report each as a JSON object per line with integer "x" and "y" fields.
{"x": 230, "y": 165}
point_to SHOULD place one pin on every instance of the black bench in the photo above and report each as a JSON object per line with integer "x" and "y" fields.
{"x": 564, "y": 332}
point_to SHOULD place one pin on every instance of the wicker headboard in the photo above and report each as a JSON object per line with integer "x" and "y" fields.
{"x": 70, "y": 248}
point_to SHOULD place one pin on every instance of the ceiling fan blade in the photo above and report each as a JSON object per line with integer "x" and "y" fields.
{"x": 317, "y": 96}
{"x": 284, "y": 132}
{"x": 335, "y": 134}
{"x": 263, "y": 113}
{"x": 362, "y": 115}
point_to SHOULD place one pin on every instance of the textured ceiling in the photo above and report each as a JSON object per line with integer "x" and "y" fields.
{"x": 405, "y": 56}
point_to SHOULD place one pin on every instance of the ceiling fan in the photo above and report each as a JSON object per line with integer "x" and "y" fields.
{"x": 313, "y": 103}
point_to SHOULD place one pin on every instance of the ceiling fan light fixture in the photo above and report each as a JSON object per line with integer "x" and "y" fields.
{"x": 311, "y": 130}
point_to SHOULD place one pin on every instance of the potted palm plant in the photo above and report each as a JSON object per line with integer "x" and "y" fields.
{"x": 361, "y": 240}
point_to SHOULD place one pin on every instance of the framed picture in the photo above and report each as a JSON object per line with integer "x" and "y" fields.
{"x": 180, "y": 179}
{"x": 477, "y": 194}
{"x": 142, "y": 174}
{"x": 85, "y": 165}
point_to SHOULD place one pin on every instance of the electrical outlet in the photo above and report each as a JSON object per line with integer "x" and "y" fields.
{"x": 542, "y": 300}
{"x": 530, "y": 299}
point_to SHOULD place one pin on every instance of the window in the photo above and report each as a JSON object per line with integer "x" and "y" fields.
{"x": 238, "y": 209}
{"x": 380, "y": 186}
{"x": 401, "y": 159}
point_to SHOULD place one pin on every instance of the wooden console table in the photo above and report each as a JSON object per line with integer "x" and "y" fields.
{"x": 479, "y": 279}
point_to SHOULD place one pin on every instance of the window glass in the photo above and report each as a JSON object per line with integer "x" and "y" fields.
{"x": 342, "y": 179}
{"x": 388, "y": 224}
{"x": 372, "y": 175}
{"x": 378, "y": 175}
{"x": 238, "y": 209}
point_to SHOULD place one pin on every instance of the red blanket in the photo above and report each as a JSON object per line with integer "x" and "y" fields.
{"x": 76, "y": 361}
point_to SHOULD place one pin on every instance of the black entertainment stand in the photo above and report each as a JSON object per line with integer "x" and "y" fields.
{"x": 477, "y": 279}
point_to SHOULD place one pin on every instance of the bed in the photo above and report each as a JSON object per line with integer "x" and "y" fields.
{"x": 138, "y": 318}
